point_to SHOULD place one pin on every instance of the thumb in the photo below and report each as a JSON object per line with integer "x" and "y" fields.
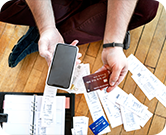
{"x": 75, "y": 42}
{"x": 114, "y": 76}
{"x": 44, "y": 52}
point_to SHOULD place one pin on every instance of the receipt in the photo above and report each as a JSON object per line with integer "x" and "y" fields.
{"x": 147, "y": 81}
{"x": 129, "y": 120}
{"x": 132, "y": 104}
{"x": 145, "y": 118}
{"x": 112, "y": 111}
{"x": 145, "y": 85}
{"x": 48, "y": 106}
{"x": 114, "y": 94}
{"x": 135, "y": 66}
{"x": 95, "y": 108}
{"x": 161, "y": 95}
{"x": 80, "y": 124}
{"x": 78, "y": 86}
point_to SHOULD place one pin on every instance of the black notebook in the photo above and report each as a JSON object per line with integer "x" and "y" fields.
{"x": 24, "y": 110}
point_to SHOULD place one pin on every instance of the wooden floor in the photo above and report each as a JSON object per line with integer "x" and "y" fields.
{"x": 148, "y": 44}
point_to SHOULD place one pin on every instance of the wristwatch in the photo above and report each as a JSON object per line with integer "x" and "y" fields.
{"x": 125, "y": 45}
{"x": 112, "y": 45}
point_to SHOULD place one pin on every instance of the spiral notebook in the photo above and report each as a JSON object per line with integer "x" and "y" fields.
{"x": 23, "y": 115}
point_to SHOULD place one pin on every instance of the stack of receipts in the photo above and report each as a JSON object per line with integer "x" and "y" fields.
{"x": 123, "y": 108}
{"x": 147, "y": 81}
{"x": 80, "y": 125}
{"x": 78, "y": 86}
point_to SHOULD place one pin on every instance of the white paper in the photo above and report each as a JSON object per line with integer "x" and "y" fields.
{"x": 80, "y": 124}
{"x": 132, "y": 104}
{"x": 145, "y": 85}
{"x": 56, "y": 126}
{"x": 48, "y": 102}
{"x": 129, "y": 120}
{"x": 161, "y": 94}
{"x": 95, "y": 108}
{"x": 16, "y": 129}
{"x": 145, "y": 118}
{"x": 78, "y": 86}
{"x": 19, "y": 121}
{"x": 114, "y": 94}
{"x": 147, "y": 81}
{"x": 112, "y": 111}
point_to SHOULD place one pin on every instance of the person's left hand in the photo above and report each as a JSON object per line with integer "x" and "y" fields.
{"x": 115, "y": 61}
{"x": 49, "y": 38}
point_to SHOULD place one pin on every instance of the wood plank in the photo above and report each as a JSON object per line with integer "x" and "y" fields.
{"x": 90, "y": 60}
{"x": 144, "y": 130}
{"x": 19, "y": 31}
{"x": 83, "y": 49}
{"x": 11, "y": 73}
{"x": 126, "y": 133}
{"x": 40, "y": 63}
{"x": 164, "y": 130}
{"x": 7, "y": 74}
{"x": 2, "y": 27}
{"x": 116, "y": 130}
{"x": 147, "y": 37}
{"x": 134, "y": 35}
{"x": 32, "y": 81}
{"x": 24, "y": 73}
{"x": 77, "y": 100}
{"x": 157, "y": 42}
{"x": 94, "y": 48}
{"x": 160, "y": 71}
{"x": 90, "y": 122}
{"x": 5, "y": 38}
{"x": 41, "y": 82}
{"x": 157, "y": 125}
{"x": 98, "y": 61}
{"x": 82, "y": 109}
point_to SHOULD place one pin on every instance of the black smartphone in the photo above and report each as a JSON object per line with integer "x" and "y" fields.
{"x": 62, "y": 67}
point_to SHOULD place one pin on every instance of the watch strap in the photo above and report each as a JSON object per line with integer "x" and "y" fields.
{"x": 113, "y": 45}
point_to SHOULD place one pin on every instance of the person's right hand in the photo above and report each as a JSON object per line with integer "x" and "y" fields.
{"x": 115, "y": 61}
{"x": 49, "y": 38}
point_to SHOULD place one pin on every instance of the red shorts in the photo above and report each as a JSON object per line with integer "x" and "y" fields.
{"x": 78, "y": 19}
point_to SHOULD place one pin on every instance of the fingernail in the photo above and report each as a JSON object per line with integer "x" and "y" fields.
{"x": 112, "y": 83}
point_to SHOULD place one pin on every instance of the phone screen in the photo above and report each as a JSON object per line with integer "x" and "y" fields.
{"x": 62, "y": 66}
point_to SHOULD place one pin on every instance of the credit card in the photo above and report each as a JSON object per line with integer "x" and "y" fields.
{"x": 96, "y": 81}
{"x": 99, "y": 125}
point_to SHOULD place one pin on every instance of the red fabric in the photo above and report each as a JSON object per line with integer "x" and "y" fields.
{"x": 78, "y": 19}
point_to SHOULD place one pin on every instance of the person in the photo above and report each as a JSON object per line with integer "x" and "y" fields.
{"x": 66, "y": 21}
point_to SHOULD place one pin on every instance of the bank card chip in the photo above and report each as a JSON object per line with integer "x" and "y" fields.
{"x": 96, "y": 81}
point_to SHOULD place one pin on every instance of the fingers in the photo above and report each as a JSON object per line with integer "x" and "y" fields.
{"x": 78, "y": 61}
{"x": 79, "y": 55}
{"x": 101, "y": 69}
{"x": 75, "y": 42}
{"x": 119, "y": 80}
{"x": 114, "y": 76}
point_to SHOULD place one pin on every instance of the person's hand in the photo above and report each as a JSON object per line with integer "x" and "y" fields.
{"x": 49, "y": 38}
{"x": 115, "y": 61}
